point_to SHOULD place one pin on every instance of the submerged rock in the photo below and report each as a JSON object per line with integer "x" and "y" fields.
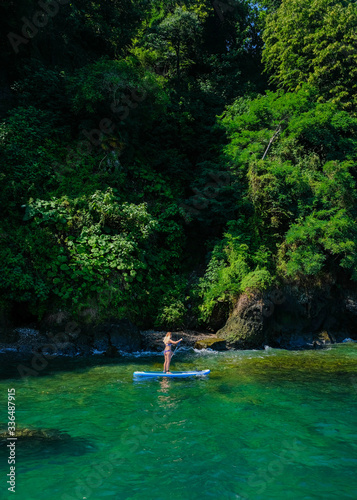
{"x": 54, "y": 441}
{"x": 35, "y": 434}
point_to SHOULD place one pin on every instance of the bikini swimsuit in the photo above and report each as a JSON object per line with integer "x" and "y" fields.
{"x": 167, "y": 350}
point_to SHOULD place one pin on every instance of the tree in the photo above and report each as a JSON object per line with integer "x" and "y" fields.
{"x": 315, "y": 43}
{"x": 174, "y": 37}
{"x": 302, "y": 195}
{"x": 270, "y": 5}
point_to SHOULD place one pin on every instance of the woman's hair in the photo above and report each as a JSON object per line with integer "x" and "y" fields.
{"x": 167, "y": 336}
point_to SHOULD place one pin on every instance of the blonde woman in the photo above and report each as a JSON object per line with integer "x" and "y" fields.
{"x": 167, "y": 352}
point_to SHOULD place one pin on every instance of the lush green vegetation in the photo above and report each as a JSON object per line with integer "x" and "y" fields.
{"x": 160, "y": 158}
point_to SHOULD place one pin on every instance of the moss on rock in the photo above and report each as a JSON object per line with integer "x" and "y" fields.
{"x": 217, "y": 344}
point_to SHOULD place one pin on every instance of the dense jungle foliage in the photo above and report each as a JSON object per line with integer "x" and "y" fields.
{"x": 159, "y": 158}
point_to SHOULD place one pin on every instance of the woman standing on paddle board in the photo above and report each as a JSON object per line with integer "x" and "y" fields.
{"x": 167, "y": 352}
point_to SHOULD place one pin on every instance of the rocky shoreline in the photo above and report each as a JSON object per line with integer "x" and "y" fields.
{"x": 112, "y": 340}
{"x": 286, "y": 318}
{"x": 109, "y": 339}
{"x": 153, "y": 340}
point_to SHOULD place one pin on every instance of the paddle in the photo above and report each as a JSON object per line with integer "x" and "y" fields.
{"x": 175, "y": 349}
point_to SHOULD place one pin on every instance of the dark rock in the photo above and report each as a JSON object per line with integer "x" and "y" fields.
{"x": 244, "y": 328}
{"x": 101, "y": 341}
{"x": 7, "y": 332}
{"x": 153, "y": 340}
{"x": 219, "y": 315}
{"x": 122, "y": 335}
{"x": 56, "y": 322}
{"x": 83, "y": 336}
{"x": 111, "y": 352}
{"x": 83, "y": 343}
{"x": 292, "y": 318}
{"x": 58, "y": 333}
{"x": 29, "y": 339}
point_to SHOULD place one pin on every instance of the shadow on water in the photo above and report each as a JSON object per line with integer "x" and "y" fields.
{"x": 17, "y": 365}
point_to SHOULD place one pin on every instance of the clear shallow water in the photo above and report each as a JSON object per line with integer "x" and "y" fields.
{"x": 265, "y": 425}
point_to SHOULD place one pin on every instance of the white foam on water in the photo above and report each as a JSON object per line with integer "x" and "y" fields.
{"x": 181, "y": 350}
{"x": 61, "y": 355}
{"x": 205, "y": 352}
{"x": 26, "y": 331}
{"x": 96, "y": 351}
{"x": 140, "y": 354}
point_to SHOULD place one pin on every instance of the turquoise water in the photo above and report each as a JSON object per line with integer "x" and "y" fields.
{"x": 264, "y": 425}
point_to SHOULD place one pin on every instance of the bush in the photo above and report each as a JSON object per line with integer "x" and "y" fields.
{"x": 230, "y": 272}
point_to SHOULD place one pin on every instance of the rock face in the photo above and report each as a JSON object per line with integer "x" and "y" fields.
{"x": 244, "y": 329}
{"x": 59, "y": 334}
{"x": 218, "y": 316}
{"x": 291, "y": 318}
{"x": 288, "y": 318}
{"x": 122, "y": 335}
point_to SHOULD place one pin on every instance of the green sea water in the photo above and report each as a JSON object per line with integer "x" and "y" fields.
{"x": 265, "y": 425}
